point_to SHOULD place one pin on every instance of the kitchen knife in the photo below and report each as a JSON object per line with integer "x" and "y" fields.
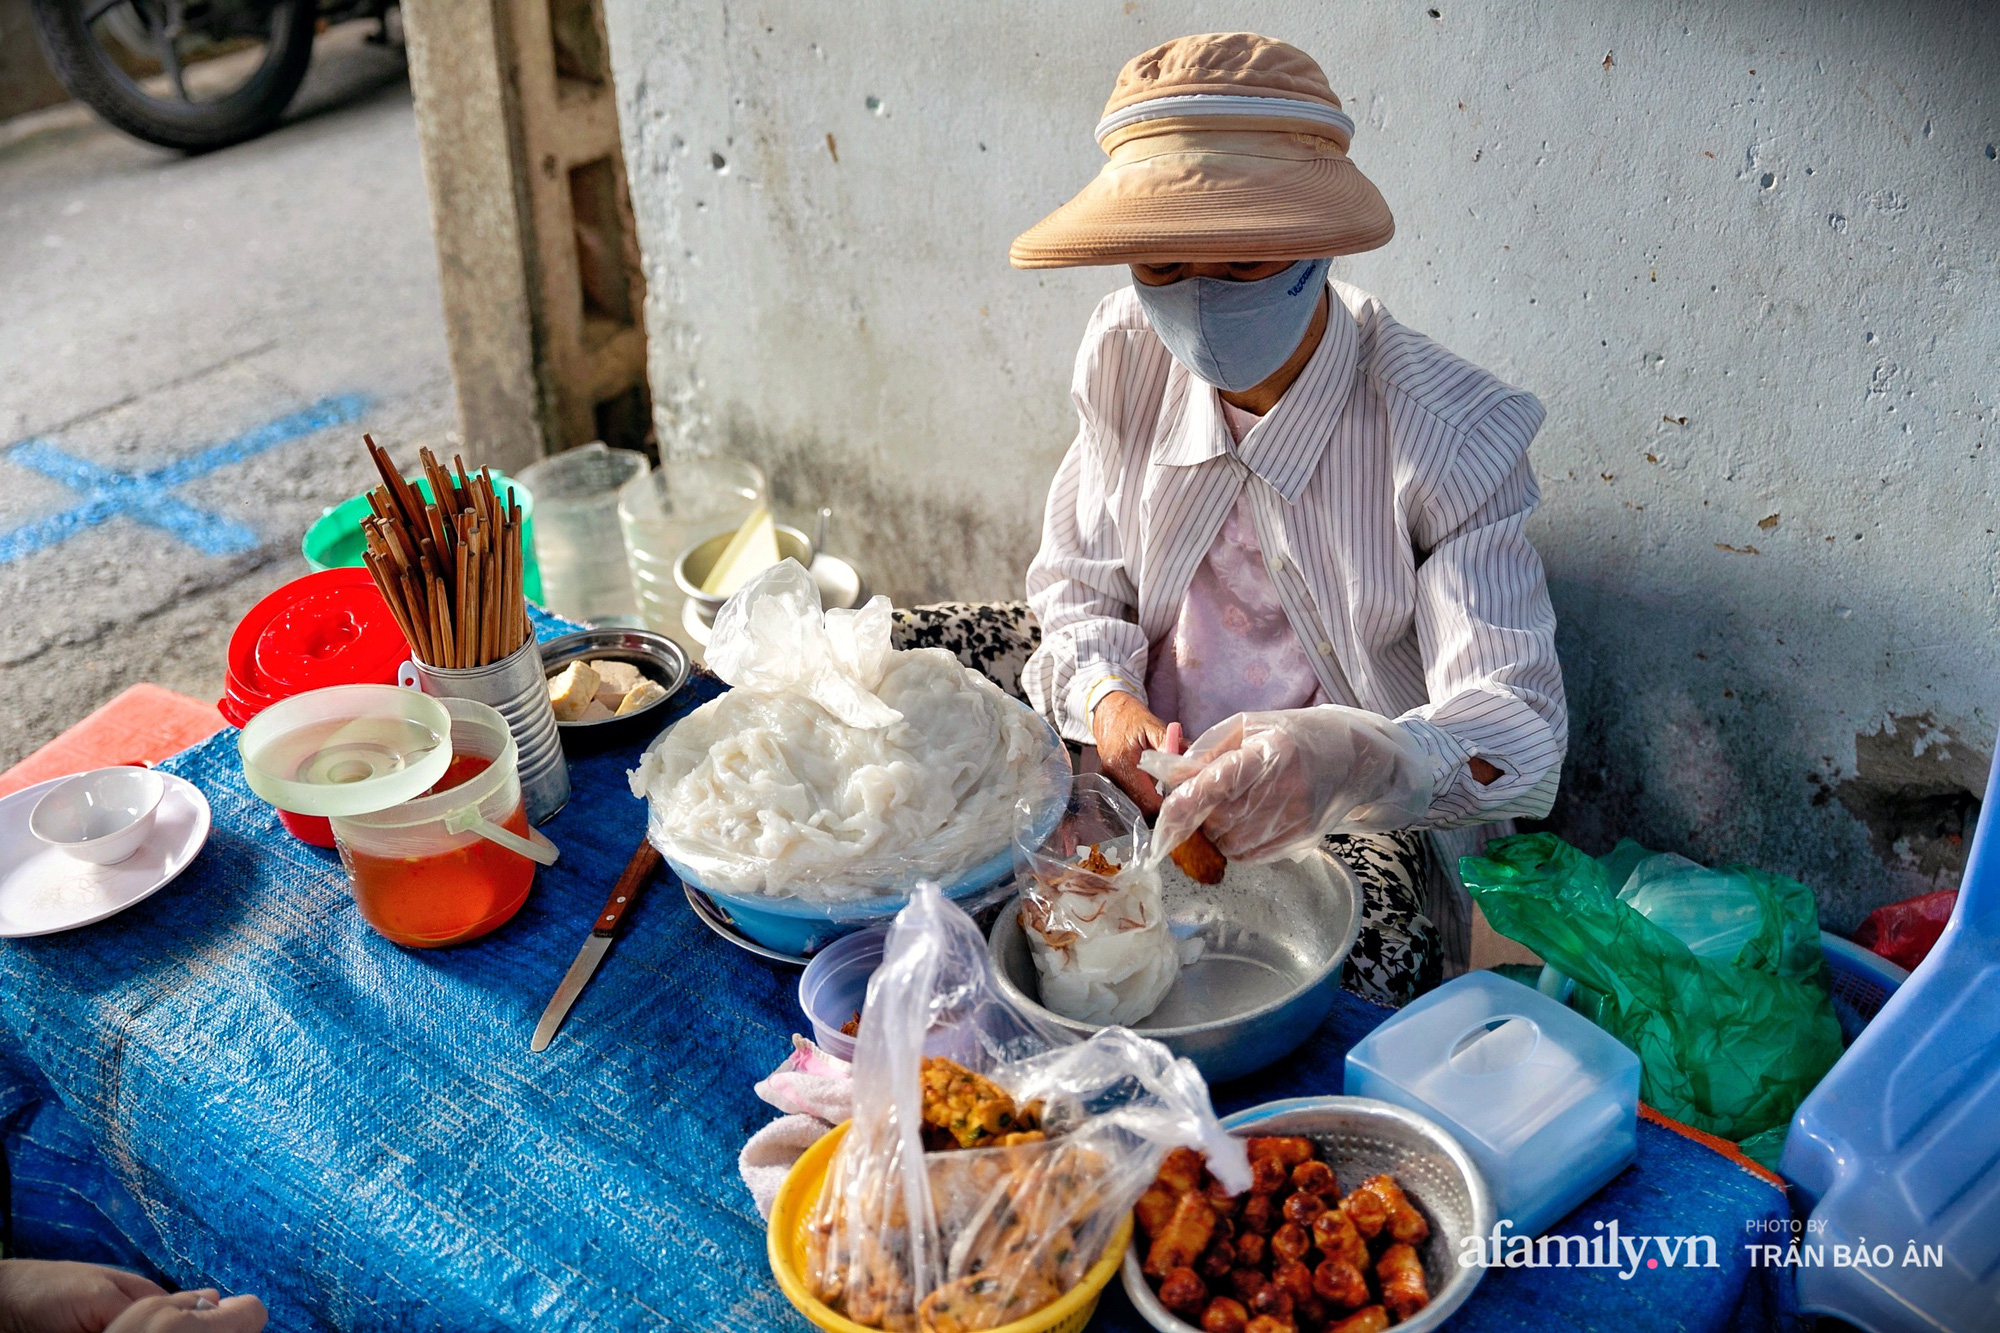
{"x": 637, "y": 871}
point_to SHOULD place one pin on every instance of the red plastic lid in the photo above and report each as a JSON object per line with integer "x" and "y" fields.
{"x": 328, "y": 628}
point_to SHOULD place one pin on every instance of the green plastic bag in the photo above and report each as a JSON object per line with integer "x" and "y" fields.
{"x": 1730, "y": 1045}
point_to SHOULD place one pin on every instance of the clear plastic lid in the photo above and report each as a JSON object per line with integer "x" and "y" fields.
{"x": 347, "y": 749}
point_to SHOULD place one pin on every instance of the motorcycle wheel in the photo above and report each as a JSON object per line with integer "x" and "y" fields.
{"x": 73, "y": 38}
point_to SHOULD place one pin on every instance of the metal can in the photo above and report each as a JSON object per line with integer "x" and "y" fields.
{"x": 516, "y": 687}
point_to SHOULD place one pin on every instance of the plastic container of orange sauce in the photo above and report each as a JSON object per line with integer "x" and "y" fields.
{"x": 425, "y": 801}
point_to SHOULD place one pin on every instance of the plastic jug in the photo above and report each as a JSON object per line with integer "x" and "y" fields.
{"x": 1899, "y": 1145}
{"x": 664, "y": 512}
{"x": 584, "y": 576}
{"x": 1544, "y": 1100}
{"x": 425, "y": 799}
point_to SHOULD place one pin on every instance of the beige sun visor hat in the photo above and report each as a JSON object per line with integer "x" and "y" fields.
{"x": 1224, "y": 147}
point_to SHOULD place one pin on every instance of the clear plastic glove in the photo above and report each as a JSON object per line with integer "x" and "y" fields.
{"x": 1267, "y": 785}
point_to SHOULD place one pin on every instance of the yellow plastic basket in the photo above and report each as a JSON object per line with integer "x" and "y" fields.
{"x": 787, "y": 1245}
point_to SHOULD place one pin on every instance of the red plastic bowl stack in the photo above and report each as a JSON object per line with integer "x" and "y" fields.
{"x": 328, "y": 628}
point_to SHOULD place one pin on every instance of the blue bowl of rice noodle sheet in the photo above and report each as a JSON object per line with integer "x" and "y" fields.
{"x": 801, "y": 928}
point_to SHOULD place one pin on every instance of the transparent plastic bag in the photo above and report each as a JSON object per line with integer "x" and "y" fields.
{"x": 838, "y": 768}
{"x": 1091, "y": 908}
{"x": 974, "y": 1236}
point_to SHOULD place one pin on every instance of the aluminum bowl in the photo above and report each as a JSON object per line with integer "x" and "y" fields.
{"x": 1361, "y": 1137}
{"x": 1275, "y": 938}
{"x": 658, "y": 658}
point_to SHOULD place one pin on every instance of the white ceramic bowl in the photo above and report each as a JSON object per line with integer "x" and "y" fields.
{"x": 102, "y": 816}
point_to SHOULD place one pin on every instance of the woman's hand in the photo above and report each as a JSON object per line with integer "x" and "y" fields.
{"x": 192, "y": 1312}
{"x": 1123, "y": 729}
{"x": 1265, "y": 785}
{"x": 45, "y": 1296}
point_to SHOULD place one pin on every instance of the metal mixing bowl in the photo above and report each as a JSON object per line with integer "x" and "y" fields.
{"x": 1361, "y": 1137}
{"x": 1275, "y": 937}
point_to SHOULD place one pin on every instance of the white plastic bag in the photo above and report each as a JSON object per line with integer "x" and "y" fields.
{"x": 839, "y": 769}
{"x": 1091, "y": 909}
{"x": 975, "y": 1237}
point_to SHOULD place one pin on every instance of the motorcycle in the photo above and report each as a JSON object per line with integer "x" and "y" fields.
{"x": 196, "y": 75}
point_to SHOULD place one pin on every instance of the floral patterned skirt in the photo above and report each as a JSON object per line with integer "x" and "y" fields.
{"x": 1399, "y": 954}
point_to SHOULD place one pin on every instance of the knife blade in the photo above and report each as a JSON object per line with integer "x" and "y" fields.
{"x": 626, "y": 892}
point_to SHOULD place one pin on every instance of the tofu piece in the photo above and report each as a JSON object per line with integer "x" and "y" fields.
{"x": 647, "y": 692}
{"x": 595, "y": 711}
{"x": 572, "y": 690}
{"x": 614, "y": 677}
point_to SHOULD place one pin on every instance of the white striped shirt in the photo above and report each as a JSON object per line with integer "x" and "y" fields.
{"x": 1390, "y": 485}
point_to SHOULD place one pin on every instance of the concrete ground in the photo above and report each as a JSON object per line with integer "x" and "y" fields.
{"x": 191, "y": 350}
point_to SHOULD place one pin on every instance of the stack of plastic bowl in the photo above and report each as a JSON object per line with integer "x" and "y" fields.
{"x": 328, "y": 628}
{"x": 424, "y": 798}
{"x": 335, "y": 541}
{"x": 584, "y": 576}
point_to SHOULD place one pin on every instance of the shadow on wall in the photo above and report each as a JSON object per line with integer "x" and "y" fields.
{"x": 915, "y": 546}
{"x": 1706, "y": 757}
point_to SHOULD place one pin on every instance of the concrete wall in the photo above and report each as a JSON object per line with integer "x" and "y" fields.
{"x": 1749, "y": 256}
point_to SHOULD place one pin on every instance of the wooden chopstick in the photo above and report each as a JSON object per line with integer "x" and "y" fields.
{"x": 450, "y": 568}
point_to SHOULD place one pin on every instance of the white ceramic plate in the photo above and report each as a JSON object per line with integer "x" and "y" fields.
{"x": 43, "y": 891}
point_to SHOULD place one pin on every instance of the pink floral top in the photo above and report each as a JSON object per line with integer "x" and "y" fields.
{"x": 1231, "y": 650}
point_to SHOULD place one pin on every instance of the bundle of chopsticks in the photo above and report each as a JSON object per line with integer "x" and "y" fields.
{"x": 450, "y": 569}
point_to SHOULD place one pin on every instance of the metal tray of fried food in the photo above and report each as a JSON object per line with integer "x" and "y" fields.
{"x": 1361, "y": 1137}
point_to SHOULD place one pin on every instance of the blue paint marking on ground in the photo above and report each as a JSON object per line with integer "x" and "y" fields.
{"x": 144, "y": 496}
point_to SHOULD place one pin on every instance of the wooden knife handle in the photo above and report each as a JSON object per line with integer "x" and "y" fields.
{"x": 637, "y": 871}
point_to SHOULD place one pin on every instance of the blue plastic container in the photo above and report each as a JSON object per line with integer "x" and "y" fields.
{"x": 801, "y": 929}
{"x": 1545, "y": 1101}
{"x": 1900, "y": 1143}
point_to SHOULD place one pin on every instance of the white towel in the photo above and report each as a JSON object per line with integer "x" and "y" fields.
{"x": 816, "y": 1092}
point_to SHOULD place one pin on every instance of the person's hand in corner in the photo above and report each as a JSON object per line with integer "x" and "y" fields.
{"x": 205, "y": 1311}
{"x": 48, "y": 1296}
{"x": 45, "y": 1296}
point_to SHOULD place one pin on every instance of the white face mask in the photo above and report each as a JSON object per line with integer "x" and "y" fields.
{"x": 1235, "y": 334}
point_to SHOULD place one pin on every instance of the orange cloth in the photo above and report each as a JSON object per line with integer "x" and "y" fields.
{"x": 143, "y": 725}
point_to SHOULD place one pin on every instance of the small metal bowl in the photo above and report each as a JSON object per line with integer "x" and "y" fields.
{"x": 658, "y": 658}
{"x": 1361, "y": 1137}
{"x": 1274, "y": 936}
{"x": 694, "y": 564}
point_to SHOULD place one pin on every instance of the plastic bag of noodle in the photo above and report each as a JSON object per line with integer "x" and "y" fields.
{"x": 974, "y": 1190}
{"x": 1091, "y": 907}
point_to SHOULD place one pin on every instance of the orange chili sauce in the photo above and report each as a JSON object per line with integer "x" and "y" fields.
{"x": 428, "y": 902}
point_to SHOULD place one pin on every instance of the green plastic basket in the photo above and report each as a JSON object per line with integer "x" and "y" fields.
{"x": 335, "y": 541}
